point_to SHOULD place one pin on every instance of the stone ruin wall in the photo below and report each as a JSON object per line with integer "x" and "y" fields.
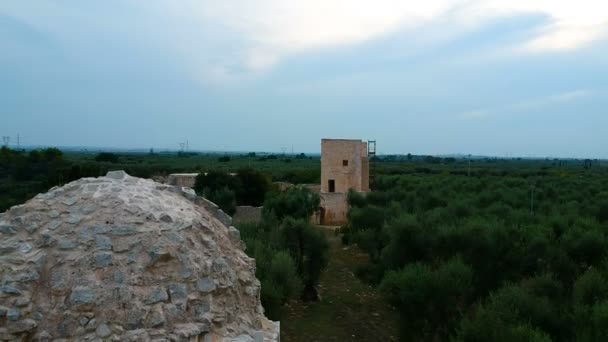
{"x": 182, "y": 179}
{"x": 120, "y": 258}
{"x": 335, "y": 210}
{"x": 247, "y": 214}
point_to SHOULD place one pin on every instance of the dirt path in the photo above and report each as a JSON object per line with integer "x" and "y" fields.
{"x": 349, "y": 309}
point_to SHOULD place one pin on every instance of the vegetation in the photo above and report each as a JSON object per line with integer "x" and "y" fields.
{"x": 350, "y": 310}
{"x": 486, "y": 249}
{"x": 290, "y": 253}
{"x": 107, "y": 157}
{"x": 296, "y": 202}
{"x": 23, "y": 174}
{"x": 506, "y": 254}
{"x": 245, "y": 187}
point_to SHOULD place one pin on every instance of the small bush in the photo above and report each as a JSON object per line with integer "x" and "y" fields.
{"x": 224, "y": 198}
{"x": 296, "y": 202}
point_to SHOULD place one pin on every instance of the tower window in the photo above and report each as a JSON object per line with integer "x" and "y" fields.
{"x": 345, "y": 163}
{"x": 331, "y": 185}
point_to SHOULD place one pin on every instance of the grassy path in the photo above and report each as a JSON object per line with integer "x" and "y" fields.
{"x": 349, "y": 310}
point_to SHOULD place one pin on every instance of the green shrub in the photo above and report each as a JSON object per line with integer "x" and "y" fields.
{"x": 224, "y": 198}
{"x": 309, "y": 248}
{"x": 429, "y": 300}
{"x": 214, "y": 180}
{"x": 511, "y": 313}
{"x": 284, "y": 275}
{"x": 249, "y": 186}
{"x": 296, "y": 202}
{"x": 355, "y": 199}
{"x": 253, "y": 186}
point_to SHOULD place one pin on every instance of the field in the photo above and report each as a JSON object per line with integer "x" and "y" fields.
{"x": 444, "y": 248}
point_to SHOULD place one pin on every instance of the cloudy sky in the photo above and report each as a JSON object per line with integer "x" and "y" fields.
{"x": 491, "y": 77}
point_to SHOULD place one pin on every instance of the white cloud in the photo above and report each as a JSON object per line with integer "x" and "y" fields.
{"x": 571, "y": 24}
{"x": 233, "y": 37}
{"x": 275, "y": 29}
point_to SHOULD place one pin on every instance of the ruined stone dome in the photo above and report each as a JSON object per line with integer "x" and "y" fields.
{"x": 126, "y": 259}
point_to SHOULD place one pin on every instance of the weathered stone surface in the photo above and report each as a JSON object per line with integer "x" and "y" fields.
{"x": 103, "y": 259}
{"x": 21, "y": 326}
{"x": 22, "y": 301}
{"x": 156, "y": 318}
{"x": 43, "y": 336}
{"x": 9, "y": 290}
{"x": 224, "y": 218}
{"x": 59, "y": 283}
{"x": 103, "y": 243}
{"x": 67, "y": 244}
{"x": 54, "y": 224}
{"x": 82, "y": 296}
{"x": 7, "y": 229}
{"x": 25, "y": 248}
{"x": 242, "y": 338}
{"x": 191, "y": 329}
{"x": 69, "y": 201}
{"x": 125, "y": 229}
{"x": 157, "y": 294}
{"x": 27, "y": 275}
{"x": 117, "y": 174}
{"x": 205, "y": 285}
{"x": 178, "y": 292}
{"x": 9, "y": 245}
{"x": 74, "y": 219}
{"x": 235, "y": 235}
{"x": 103, "y": 330}
{"x": 201, "y": 309}
{"x": 45, "y": 240}
{"x": 31, "y": 227}
{"x": 13, "y": 314}
{"x": 166, "y": 218}
{"x": 119, "y": 258}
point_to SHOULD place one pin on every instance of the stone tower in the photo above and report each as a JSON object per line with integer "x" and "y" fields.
{"x": 344, "y": 166}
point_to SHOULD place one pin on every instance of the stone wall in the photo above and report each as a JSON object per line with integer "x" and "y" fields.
{"x": 247, "y": 214}
{"x": 314, "y": 188}
{"x": 282, "y": 186}
{"x": 334, "y": 210}
{"x": 183, "y": 179}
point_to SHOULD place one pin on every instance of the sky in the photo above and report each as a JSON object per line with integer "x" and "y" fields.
{"x": 484, "y": 77}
